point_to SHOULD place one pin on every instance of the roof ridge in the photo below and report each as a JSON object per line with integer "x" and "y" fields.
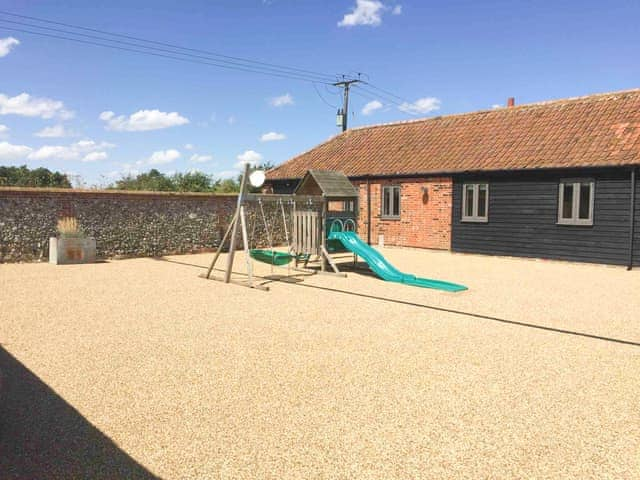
{"x": 591, "y": 130}
{"x": 592, "y": 96}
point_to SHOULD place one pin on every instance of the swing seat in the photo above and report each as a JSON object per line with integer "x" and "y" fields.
{"x": 273, "y": 257}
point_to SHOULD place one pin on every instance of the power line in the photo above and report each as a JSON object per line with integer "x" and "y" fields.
{"x": 327, "y": 90}
{"x": 182, "y": 59}
{"x": 148, "y": 47}
{"x": 321, "y": 97}
{"x": 404, "y": 106}
{"x": 386, "y": 91}
{"x": 378, "y": 95}
{"x": 137, "y": 45}
{"x": 365, "y": 94}
{"x": 139, "y": 39}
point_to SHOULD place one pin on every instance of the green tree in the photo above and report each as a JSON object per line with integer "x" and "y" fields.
{"x": 193, "y": 182}
{"x": 228, "y": 185}
{"x": 153, "y": 181}
{"x": 40, "y": 177}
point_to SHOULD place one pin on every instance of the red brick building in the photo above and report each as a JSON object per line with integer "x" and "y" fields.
{"x": 553, "y": 179}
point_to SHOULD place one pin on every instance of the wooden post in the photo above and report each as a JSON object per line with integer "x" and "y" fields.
{"x": 294, "y": 234}
{"x": 245, "y": 242}
{"x": 224, "y": 239}
{"x": 234, "y": 230}
{"x": 323, "y": 235}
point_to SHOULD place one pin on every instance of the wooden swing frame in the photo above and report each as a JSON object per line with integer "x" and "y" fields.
{"x": 307, "y": 235}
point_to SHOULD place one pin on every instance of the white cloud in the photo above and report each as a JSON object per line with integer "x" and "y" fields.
{"x": 13, "y": 152}
{"x": 248, "y": 156}
{"x": 196, "y": 158}
{"x": 75, "y": 151}
{"x": 90, "y": 145}
{"x": 496, "y": 106}
{"x": 95, "y": 157}
{"x": 28, "y": 106}
{"x": 421, "y": 106}
{"x": 281, "y": 101}
{"x": 162, "y": 157}
{"x": 6, "y": 44}
{"x": 397, "y": 10}
{"x": 142, "y": 120}
{"x": 58, "y": 152}
{"x": 272, "y": 137}
{"x": 231, "y": 120}
{"x": 365, "y": 12}
{"x": 371, "y": 107}
{"x": 56, "y": 131}
{"x": 188, "y": 146}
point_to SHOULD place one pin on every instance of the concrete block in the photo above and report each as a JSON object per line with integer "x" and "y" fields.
{"x": 64, "y": 251}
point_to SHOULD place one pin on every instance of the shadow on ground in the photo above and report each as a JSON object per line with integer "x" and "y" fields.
{"x": 43, "y": 437}
{"x": 359, "y": 271}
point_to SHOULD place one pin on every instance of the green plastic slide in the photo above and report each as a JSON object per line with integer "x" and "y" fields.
{"x": 384, "y": 269}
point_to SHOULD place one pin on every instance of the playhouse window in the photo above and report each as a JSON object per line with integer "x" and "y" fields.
{"x": 391, "y": 201}
{"x": 575, "y": 202}
{"x": 349, "y": 206}
{"x": 475, "y": 202}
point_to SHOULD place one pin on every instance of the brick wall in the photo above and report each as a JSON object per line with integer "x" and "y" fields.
{"x": 123, "y": 223}
{"x": 425, "y": 217}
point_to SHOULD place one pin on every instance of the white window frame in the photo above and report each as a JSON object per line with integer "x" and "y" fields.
{"x": 348, "y": 205}
{"x": 475, "y": 217}
{"x": 391, "y": 204}
{"x": 575, "y": 205}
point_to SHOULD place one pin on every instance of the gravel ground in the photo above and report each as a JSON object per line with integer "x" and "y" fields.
{"x": 140, "y": 369}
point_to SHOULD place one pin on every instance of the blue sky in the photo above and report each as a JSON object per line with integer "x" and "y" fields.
{"x": 105, "y": 112}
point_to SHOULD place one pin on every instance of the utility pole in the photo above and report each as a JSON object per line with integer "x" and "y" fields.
{"x": 343, "y": 113}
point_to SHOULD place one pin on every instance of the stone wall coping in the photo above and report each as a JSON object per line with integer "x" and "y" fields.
{"x": 89, "y": 191}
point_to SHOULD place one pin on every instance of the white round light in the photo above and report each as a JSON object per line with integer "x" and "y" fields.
{"x": 257, "y": 178}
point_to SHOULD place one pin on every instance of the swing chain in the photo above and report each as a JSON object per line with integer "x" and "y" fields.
{"x": 266, "y": 225}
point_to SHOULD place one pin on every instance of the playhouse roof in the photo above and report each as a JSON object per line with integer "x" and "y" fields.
{"x": 593, "y": 131}
{"x": 329, "y": 184}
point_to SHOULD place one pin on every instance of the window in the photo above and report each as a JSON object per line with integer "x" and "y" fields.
{"x": 475, "y": 202}
{"x": 575, "y": 202}
{"x": 349, "y": 206}
{"x": 391, "y": 201}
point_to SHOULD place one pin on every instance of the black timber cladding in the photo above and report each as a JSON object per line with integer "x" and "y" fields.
{"x": 523, "y": 215}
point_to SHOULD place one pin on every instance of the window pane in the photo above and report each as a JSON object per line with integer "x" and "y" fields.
{"x": 468, "y": 206}
{"x": 386, "y": 201}
{"x": 585, "y": 201}
{"x": 567, "y": 201}
{"x": 396, "y": 201}
{"x": 482, "y": 200}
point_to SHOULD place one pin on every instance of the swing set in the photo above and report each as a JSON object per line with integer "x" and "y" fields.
{"x": 305, "y": 229}
{"x": 271, "y": 256}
